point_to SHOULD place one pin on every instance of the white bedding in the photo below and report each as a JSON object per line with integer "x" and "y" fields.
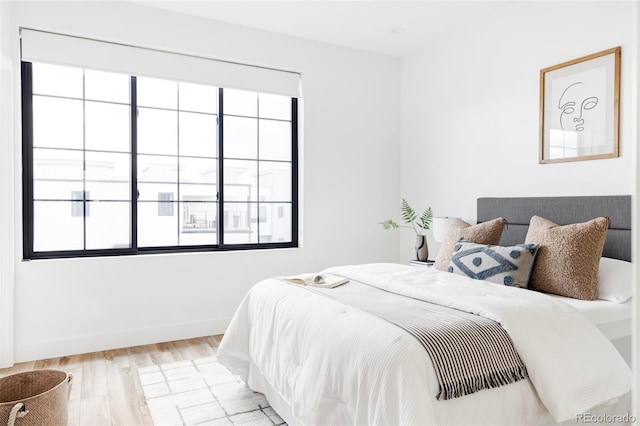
{"x": 328, "y": 363}
{"x": 612, "y": 319}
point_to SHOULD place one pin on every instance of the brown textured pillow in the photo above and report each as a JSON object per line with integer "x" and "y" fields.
{"x": 482, "y": 233}
{"x": 568, "y": 256}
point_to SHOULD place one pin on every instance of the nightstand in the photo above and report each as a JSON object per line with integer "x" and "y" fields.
{"x": 419, "y": 264}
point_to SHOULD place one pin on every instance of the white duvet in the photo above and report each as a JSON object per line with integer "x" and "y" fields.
{"x": 330, "y": 363}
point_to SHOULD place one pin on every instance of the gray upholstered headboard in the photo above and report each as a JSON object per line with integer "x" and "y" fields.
{"x": 563, "y": 211}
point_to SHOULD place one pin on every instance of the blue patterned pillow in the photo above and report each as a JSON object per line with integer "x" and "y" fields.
{"x": 502, "y": 265}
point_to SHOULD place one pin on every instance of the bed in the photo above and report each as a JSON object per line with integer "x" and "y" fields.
{"x": 613, "y": 319}
{"x": 319, "y": 360}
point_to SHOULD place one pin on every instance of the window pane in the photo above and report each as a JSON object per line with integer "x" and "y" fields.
{"x": 275, "y": 181}
{"x": 157, "y": 168}
{"x": 57, "y": 80}
{"x": 55, "y": 190}
{"x": 107, "y": 126}
{"x": 240, "y": 137}
{"x": 240, "y": 102}
{"x": 198, "y": 98}
{"x": 57, "y": 164}
{"x": 156, "y": 93}
{"x": 108, "y": 176}
{"x": 275, "y": 222}
{"x": 57, "y": 123}
{"x": 155, "y": 230}
{"x": 54, "y": 227}
{"x": 107, "y": 86}
{"x": 151, "y": 191}
{"x": 198, "y": 170}
{"x": 198, "y": 223}
{"x": 275, "y": 140}
{"x": 237, "y": 224}
{"x": 240, "y": 180}
{"x": 194, "y": 192}
{"x": 198, "y": 134}
{"x": 56, "y": 174}
{"x": 108, "y": 226}
{"x": 157, "y": 131}
{"x": 275, "y": 106}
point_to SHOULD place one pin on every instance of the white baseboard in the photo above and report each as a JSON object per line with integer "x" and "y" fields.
{"x": 43, "y": 349}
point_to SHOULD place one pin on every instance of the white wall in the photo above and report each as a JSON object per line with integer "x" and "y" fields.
{"x": 6, "y": 193}
{"x": 350, "y": 183}
{"x": 470, "y": 107}
{"x": 635, "y": 364}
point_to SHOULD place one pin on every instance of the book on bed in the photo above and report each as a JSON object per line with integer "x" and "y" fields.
{"x": 316, "y": 280}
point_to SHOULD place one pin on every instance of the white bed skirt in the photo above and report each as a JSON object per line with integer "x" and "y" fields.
{"x": 608, "y": 414}
{"x": 259, "y": 383}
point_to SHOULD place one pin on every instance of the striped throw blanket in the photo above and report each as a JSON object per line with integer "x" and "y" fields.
{"x": 469, "y": 352}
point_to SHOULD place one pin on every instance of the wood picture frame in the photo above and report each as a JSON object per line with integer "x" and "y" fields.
{"x": 579, "y": 108}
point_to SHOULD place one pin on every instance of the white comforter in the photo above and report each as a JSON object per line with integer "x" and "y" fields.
{"x": 333, "y": 364}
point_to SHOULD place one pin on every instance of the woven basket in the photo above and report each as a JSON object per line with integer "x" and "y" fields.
{"x": 35, "y": 398}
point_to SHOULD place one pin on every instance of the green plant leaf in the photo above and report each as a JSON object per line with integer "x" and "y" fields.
{"x": 389, "y": 224}
{"x": 426, "y": 219}
{"x": 407, "y": 213}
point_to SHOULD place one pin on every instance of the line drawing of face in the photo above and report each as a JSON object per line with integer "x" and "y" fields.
{"x": 572, "y": 108}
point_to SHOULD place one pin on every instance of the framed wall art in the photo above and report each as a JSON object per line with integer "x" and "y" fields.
{"x": 579, "y": 108}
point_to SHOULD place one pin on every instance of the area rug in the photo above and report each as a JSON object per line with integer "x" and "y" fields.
{"x": 202, "y": 392}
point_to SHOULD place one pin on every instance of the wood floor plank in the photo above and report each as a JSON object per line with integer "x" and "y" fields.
{"x": 143, "y": 408}
{"x": 146, "y": 415}
{"x": 162, "y": 354}
{"x": 140, "y": 356}
{"x": 94, "y": 375}
{"x": 18, "y": 368}
{"x": 76, "y": 382}
{"x": 117, "y": 357}
{"x": 45, "y": 364}
{"x": 74, "y": 413}
{"x": 72, "y": 361}
{"x": 214, "y": 341}
{"x": 95, "y": 411}
{"x": 123, "y": 400}
{"x": 182, "y": 350}
{"x": 199, "y": 348}
{"x": 106, "y": 387}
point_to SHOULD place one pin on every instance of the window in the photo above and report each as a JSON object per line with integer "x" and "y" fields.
{"x": 156, "y": 162}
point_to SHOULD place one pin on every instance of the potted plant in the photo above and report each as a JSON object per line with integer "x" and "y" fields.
{"x": 419, "y": 224}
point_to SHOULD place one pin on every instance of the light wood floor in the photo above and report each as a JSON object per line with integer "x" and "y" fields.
{"x": 106, "y": 388}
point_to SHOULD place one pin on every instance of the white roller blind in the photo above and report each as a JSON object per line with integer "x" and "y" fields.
{"x": 39, "y": 46}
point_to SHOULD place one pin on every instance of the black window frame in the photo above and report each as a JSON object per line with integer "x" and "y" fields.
{"x": 28, "y": 198}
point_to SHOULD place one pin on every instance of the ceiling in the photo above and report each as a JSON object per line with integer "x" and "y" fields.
{"x": 395, "y": 28}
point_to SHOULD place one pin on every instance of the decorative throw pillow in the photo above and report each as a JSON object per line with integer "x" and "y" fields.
{"x": 501, "y": 265}
{"x": 568, "y": 256}
{"x": 482, "y": 233}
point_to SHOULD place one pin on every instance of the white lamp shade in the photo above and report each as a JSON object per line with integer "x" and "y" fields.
{"x": 440, "y": 225}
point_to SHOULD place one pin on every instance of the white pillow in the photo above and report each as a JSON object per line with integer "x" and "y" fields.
{"x": 614, "y": 282}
